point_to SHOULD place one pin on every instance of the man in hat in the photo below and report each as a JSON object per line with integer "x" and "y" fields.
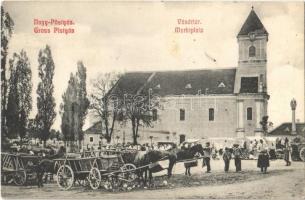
{"x": 237, "y": 157}
{"x": 207, "y": 156}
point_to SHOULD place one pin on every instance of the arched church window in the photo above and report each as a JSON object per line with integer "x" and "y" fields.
{"x": 252, "y": 51}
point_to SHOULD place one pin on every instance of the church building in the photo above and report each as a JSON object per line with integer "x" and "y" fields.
{"x": 206, "y": 103}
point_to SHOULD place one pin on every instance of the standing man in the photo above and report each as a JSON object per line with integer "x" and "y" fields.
{"x": 226, "y": 158}
{"x": 237, "y": 157}
{"x": 207, "y": 156}
{"x": 286, "y": 155}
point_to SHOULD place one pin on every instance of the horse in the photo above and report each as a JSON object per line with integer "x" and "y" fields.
{"x": 47, "y": 165}
{"x": 137, "y": 158}
{"x": 145, "y": 160}
{"x": 152, "y": 158}
{"x": 189, "y": 154}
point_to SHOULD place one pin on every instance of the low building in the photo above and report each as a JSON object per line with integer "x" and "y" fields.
{"x": 93, "y": 136}
{"x": 285, "y": 130}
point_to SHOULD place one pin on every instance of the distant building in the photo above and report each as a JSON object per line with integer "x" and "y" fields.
{"x": 93, "y": 135}
{"x": 285, "y": 130}
{"x": 208, "y": 102}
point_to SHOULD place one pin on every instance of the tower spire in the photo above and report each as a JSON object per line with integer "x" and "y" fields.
{"x": 252, "y": 24}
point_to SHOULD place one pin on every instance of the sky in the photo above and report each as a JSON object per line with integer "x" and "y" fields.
{"x": 140, "y": 36}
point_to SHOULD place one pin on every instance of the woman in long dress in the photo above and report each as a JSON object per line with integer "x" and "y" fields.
{"x": 263, "y": 157}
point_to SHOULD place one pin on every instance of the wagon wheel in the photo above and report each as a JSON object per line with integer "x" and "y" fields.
{"x": 95, "y": 178}
{"x": 65, "y": 177}
{"x": 128, "y": 176}
{"x": 128, "y": 172}
{"x": 302, "y": 154}
{"x": 20, "y": 177}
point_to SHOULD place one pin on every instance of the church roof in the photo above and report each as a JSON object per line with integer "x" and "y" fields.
{"x": 252, "y": 24}
{"x": 285, "y": 129}
{"x": 131, "y": 82}
{"x": 167, "y": 83}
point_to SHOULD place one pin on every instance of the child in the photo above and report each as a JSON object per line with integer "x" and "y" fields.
{"x": 226, "y": 158}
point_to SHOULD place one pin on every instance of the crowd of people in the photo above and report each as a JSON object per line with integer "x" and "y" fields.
{"x": 147, "y": 146}
{"x": 261, "y": 148}
{"x": 34, "y": 150}
{"x": 253, "y": 149}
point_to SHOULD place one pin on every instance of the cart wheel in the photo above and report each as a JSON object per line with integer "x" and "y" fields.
{"x": 302, "y": 154}
{"x": 95, "y": 178}
{"x": 65, "y": 177}
{"x": 20, "y": 178}
{"x": 128, "y": 172}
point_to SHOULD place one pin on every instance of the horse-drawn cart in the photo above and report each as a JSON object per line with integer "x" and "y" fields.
{"x": 19, "y": 168}
{"x": 106, "y": 170}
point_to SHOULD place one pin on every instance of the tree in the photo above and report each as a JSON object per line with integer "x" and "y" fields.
{"x": 7, "y": 25}
{"x": 264, "y": 124}
{"x": 101, "y": 100}
{"x": 75, "y": 106}
{"x": 138, "y": 110}
{"x": 82, "y": 103}
{"x": 19, "y": 96}
{"x": 55, "y": 134}
{"x": 45, "y": 101}
{"x": 33, "y": 129}
{"x": 68, "y": 112}
{"x": 12, "y": 116}
{"x": 59, "y": 135}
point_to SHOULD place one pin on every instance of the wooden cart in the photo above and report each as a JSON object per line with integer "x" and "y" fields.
{"x": 18, "y": 167}
{"x": 99, "y": 170}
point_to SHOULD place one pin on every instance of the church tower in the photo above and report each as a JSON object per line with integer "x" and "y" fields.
{"x": 251, "y": 76}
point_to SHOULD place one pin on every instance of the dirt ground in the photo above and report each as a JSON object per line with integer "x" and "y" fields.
{"x": 281, "y": 182}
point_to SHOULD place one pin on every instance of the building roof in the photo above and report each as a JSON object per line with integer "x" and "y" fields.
{"x": 285, "y": 129}
{"x": 167, "y": 83}
{"x": 95, "y": 129}
{"x": 252, "y": 24}
{"x": 131, "y": 82}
